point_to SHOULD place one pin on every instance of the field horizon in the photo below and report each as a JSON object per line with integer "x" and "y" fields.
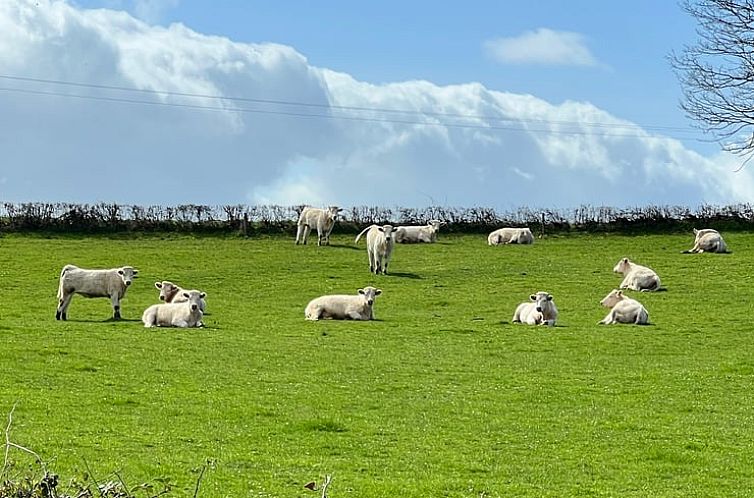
{"x": 441, "y": 395}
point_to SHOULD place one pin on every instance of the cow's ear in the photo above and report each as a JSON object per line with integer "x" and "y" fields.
{"x": 549, "y": 297}
{"x": 361, "y": 291}
{"x": 380, "y": 229}
{"x": 203, "y": 295}
{"x": 158, "y": 285}
{"x": 186, "y": 295}
{"x": 625, "y": 260}
{"x": 136, "y": 272}
{"x": 533, "y": 297}
{"x": 378, "y": 292}
{"x": 620, "y": 293}
{"x": 120, "y": 272}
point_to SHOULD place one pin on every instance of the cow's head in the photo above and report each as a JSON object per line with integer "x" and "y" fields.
{"x": 622, "y": 266}
{"x": 194, "y": 299}
{"x": 168, "y": 290}
{"x": 388, "y": 231}
{"x": 128, "y": 274}
{"x": 613, "y": 298}
{"x": 369, "y": 294}
{"x": 541, "y": 300}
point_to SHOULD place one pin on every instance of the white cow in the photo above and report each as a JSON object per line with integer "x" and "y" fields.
{"x": 623, "y": 309}
{"x": 510, "y": 236}
{"x": 343, "y": 307}
{"x": 184, "y": 314}
{"x": 380, "y": 245}
{"x": 171, "y": 293}
{"x": 637, "y": 277}
{"x": 540, "y": 311}
{"x": 111, "y": 283}
{"x": 426, "y": 233}
{"x": 321, "y": 219}
{"x": 708, "y": 240}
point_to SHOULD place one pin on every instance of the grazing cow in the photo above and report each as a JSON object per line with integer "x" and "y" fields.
{"x": 708, "y": 240}
{"x": 171, "y": 293}
{"x": 343, "y": 307}
{"x": 510, "y": 236}
{"x": 637, "y": 277}
{"x": 623, "y": 309}
{"x": 111, "y": 283}
{"x": 380, "y": 245}
{"x": 541, "y": 311}
{"x": 321, "y": 219}
{"x": 426, "y": 233}
{"x": 183, "y": 314}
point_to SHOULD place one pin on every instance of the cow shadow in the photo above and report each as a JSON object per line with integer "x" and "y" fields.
{"x": 107, "y": 320}
{"x": 399, "y": 274}
{"x": 346, "y": 246}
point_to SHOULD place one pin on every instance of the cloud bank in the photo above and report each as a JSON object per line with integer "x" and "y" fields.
{"x": 542, "y": 46}
{"x": 301, "y": 134}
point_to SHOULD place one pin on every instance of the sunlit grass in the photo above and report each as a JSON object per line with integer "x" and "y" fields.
{"x": 440, "y": 396}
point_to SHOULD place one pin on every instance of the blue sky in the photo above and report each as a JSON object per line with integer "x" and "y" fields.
{"x": 560, "y": 104}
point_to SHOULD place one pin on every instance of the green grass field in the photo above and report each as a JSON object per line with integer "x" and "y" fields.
{"x": 441, "y": 396}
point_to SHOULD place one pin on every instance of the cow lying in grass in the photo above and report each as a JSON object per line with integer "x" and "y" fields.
{"x": 510, "y": 236}
{"x": 413, "y": 234}
{"x": 708, "y": 240}
{"x": 623, "y": 309}
{"x": 637, "y": 277}
{"x": 343, "y": 307}
{"x": 183, "y": 314}
{"x": 540, "y": 311}
{"x": 171, "y": 293}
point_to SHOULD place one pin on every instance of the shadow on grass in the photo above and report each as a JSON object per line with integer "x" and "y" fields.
{"x": 346, "y": 246}
{"x": 404, "y": 275}
{"x": 107, "y": 320}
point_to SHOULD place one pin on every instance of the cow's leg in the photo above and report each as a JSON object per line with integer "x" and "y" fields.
{"x": 307, "y": 229}
{"x": 299, "y": 233}
{"x": 62, "y": 311}
{"x": 116, "y": 307}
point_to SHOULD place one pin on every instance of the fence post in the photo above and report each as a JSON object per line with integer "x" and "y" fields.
{"x": 542, "y": 235}
{"x": 245, "y": 225}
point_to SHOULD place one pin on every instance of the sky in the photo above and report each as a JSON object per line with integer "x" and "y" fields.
{"x": 545, "y": 104}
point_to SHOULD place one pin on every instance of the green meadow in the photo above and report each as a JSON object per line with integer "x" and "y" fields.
{"x": 440, "y": 396}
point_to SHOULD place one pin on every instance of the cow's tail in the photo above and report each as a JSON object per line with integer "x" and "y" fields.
{"x": 65, "y": 269}
{"x": 356, "y": 241}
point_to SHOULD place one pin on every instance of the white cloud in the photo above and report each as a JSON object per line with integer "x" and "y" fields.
{"x": 500, "y": 150}
{"x": 152, "y": 11}
{"x": 542, "y": 46}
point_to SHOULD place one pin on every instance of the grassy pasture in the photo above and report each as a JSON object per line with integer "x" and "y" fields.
{"x": 440, "y": 396}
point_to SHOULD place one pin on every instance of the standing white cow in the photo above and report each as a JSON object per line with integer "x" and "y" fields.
{"x": 623, "y": 309}
{"x": 637, "y": 277}
{"x": 540, "y": 311}
{"x": 321, "y": 219}
{"x": 708, "y": 240}
{"x": 343, "y": 307}
{"x": 510, "y": 236}
{"x": 426, "y": 233}
{"x": 171, "y": 293}
{"x": 183, "y": 314}
{"x": 380, "y": 245}
{"x": 111, "y": 283}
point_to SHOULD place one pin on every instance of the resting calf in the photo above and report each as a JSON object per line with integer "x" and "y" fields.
{"x": 183, "y": 314}
{"x": 343, "y": 307}
{"x": 541, "y": 311}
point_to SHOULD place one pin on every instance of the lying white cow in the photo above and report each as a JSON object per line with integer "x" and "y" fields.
{"x": 411, "y": 234}
{"x": 623, "y": 309}
{"x": 343, "y": 307}
{"x": 321, "y": 219}
{"x": 380, "y": 245}
{"x": 540, "y": 311}
{"x": 171, "y": 293}
{"x": 184, "y": 314}
{"x": 637, "y": 277}
{"x": 111, "y": 283}
{"x": 510, "y": 236}
{"x": 708, "y": 240}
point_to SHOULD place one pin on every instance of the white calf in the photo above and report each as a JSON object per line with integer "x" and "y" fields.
{"x": 510, "y": 236}
{"x": 171, "y": 293}
{"x": 708, "y": 240}
{"x": 411, "y": 234}
{"x": 541, "y": 311}
{"x": 184, "y": 314}
{"x": 111, "y": 283}
{"x": 321, "y": 219}
{"x": 637, "y": 277}
{"x": 380, "y": 245}
{"x": 343, "y": 307}
{"x": 623, "y": 309}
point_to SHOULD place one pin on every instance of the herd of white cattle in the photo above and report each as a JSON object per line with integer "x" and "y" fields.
{"x": 181, "y": 307}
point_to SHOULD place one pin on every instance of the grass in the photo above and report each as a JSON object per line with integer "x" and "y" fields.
{"x": 440, "y": 396}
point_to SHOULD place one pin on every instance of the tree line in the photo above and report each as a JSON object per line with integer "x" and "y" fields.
{"x": 271, "y": 219}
